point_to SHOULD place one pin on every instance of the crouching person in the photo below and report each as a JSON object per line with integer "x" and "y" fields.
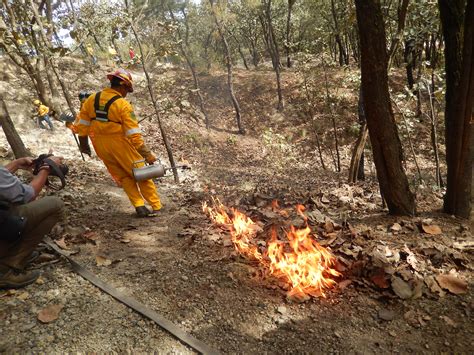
{"x": 24, "y": 221}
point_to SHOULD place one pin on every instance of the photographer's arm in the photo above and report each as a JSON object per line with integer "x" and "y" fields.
{"x": 25, "y": 163}
{"x": 39, "y": 181}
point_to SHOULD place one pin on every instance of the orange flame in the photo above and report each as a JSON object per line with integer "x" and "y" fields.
{"x": 301, "y": 261}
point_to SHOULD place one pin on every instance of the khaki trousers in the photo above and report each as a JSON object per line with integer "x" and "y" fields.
{"x": 41, "y": 216}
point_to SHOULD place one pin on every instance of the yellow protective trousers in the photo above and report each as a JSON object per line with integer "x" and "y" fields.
{"x": 118, "y": 155}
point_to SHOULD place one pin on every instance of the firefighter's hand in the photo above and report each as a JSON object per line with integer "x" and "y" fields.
{"x": 150, "y": 158}
{"x": 84, "y": 146}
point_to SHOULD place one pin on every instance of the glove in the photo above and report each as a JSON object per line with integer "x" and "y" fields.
{"x": 146, "y": 153}
{"x": 84, "y": 145}
{"x": 150, "y": 158}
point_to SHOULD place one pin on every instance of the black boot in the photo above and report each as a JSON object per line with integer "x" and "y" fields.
{"x": 12, "y": 278}
{"x": 142, "y": 211}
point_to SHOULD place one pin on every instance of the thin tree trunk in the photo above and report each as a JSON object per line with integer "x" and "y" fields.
{"x": 343, "y": 57}
{"x": 402, "y": 14}
{"x": 288, "y": 33}
{"x": 53, "y": 66}
{"x": 383, "y": 133}
{"x": 273, "y": 49}
{"x": 457, "y": 20}
{"x": 356, "y": 170}
{"x": 358, "y": 154}
{"x": 228, "y": 63}
{"x": 410, "y": 141}
{"x": 155, "y": 104}
{"x": 333, "y": 118}
{"x": 13, "y": 138}
{"x": 434, "y": 131}
{"x": 309, "y": 102}
{"x": 193, "y": 72}
{"x": 409, "y": 60}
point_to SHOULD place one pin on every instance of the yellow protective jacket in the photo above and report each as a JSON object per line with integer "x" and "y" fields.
{"x": 122, "y": 119}
{"x": 43, "y": 110}
{"x": 116, "y": 139}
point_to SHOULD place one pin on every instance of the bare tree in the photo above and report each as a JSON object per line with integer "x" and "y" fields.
{"x": 386, "y": 145}
{"x": 154, "y": 101}
{"x": 291, "y": 3}
{"x": 13, "y": 138}
{"x": 402, "y": 14}
{"x": 272, "y": 45}
{"x": 190, "y": 63}
{"x": 228, "y": 63}
{"x": 457, "y": 20}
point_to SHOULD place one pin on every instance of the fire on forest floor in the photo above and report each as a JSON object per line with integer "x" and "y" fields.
{"x": 307, "y": 253}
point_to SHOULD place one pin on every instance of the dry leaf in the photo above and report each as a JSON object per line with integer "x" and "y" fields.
{"x": 433, "y": 286}
{"x": 331, "y": 238}
{"x": 452, "y": 284}
{"x": 343, "y": 284}
{"x": 50, "y": 313}
{"x": 449, "y": 321}
{"x": 431, "y": 229}
{"x": 418, "y": 289}
{"x": 62, "y": 244}
{"x": 329, "y": 227}
{"x": 401, "y": 288}
{"x": 91, "y": 235}
{"x": 102, "y": 261}
{"x": 23, "y": 296}
{"x": 380, "y": 279}
{"x": 396, "y": 227}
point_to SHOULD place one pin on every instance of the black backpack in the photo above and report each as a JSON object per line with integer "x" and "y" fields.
{"x": 11, "y": 226}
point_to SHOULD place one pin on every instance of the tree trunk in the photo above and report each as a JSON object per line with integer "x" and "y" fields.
{"x": 228, "y": 63}
{"x": 337, "y": 161}
{"x": 434, "y": 129}
{"x": 356, "y": 170}
{"x": 402, "y": 14}
{"x": 154, "y": 101}
{"x": 383, "y": 132}
{"x": 192, "y": 69}
{"x": 409, "y": 62}
{"x": 49, "y": 33}
{"x": 343, "y": 57}
{"x": 273, "y": 49}
{"x": 13, "y": 138}
{"x": 457, "y": 20}
{"x": 288, "y": 33}
{"x": 52, "y": 65}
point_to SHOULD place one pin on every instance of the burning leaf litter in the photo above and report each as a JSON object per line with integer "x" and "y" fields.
{"x": 306, "y": 266}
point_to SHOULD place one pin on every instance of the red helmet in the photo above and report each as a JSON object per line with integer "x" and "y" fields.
{"x": 124, "y": 76}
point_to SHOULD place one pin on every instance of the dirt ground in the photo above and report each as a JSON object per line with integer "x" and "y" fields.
{"x": 182, "y": 266}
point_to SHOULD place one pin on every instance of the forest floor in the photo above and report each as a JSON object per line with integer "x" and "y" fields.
{"x": 391, "y": 297}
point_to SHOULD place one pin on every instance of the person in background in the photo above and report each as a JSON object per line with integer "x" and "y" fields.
{"x": 131, "y": 52}
{"x": 112, "y": 55}
{"x": 117, "y": 140}
{"x": 19, "y": 237}
{"x": 90, "y": 51}
{"x": 42, "y": 114}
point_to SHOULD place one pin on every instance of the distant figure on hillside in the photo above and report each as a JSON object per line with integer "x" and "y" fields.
{"x": 42, "y": 114}
{"x": 90, "y": 51}
{"x": 113, "y": 57}
{"x": 131, "y": 52}
{"x": 111, "y": 123}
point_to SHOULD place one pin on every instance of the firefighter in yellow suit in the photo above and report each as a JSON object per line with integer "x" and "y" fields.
{"x": 110, "y": 119}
